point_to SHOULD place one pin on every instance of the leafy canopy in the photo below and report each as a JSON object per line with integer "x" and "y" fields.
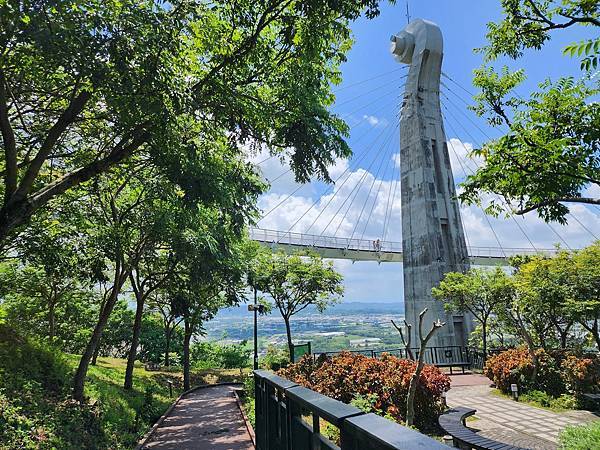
{"x": 86, "y": 84}
{"x": 297, "y": 281}
{"x": 549, "y": 156}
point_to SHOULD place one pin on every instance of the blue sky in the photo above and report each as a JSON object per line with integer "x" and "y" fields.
{"x": 361, "y": 203}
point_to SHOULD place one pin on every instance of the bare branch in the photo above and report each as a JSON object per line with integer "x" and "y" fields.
{"x": 406, "y": 343}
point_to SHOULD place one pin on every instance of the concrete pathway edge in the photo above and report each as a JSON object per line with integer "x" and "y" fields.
{"x": 146, "y": 437}
{"x": 249, "y": 427}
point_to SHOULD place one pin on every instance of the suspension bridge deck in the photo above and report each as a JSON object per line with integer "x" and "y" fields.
{"x": 373, "y": 250}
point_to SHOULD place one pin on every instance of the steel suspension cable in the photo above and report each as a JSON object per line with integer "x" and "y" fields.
{"x": 389, "y": 208}
{"x": 353, "y": 193}
{"x": 385, "y": 152}
{"x": 354, "y": 142}
{"x": 583, "y": 226}
{"x": 332, "y": 186}
{"x": 480, "y": 207}
{"x": 336, "y": 104}
{"x": 379, "y": 190}
{"x": 370, "y": 79}
{"x": 498, "y": 197}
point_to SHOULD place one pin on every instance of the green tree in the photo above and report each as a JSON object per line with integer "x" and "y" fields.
{"x": 478, "y": 292}
{"x": 117, "y": 334}
{"x": 546, "y": 285}
{"x": 153, "y": 342}
{"x": 213, "y": 265}
{"x": 162, "y": 303}
{"x": 585, "y": 301}
{"x": 84, "y": 85}
{"x": 44, "y": 311}
{"x": 549, "y": 156}
{"x": 294, "y": 282}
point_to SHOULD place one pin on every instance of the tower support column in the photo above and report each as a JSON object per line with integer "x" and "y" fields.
{"x": 433, "y": 239}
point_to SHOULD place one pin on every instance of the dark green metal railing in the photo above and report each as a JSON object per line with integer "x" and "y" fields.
{"x": 288, "y": 417}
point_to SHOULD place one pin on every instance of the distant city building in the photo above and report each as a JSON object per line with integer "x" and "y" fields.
{"x": 365, "y": 342}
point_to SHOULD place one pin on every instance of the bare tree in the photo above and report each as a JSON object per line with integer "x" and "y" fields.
{"x": 414, "y": 380}
{"x": 407, "y": 349}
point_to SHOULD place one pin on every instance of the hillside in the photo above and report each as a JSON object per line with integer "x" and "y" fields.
{"x": 37, "y": 412}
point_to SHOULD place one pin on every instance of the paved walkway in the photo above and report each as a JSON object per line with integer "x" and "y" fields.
{"x": 207, "y": 418}
{"x": 508, "y": 421}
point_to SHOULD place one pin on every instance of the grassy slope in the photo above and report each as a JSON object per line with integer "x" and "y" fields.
{"x": 36, "y": 412}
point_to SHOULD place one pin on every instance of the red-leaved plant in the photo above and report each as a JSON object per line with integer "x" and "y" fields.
{"x": 347, "y": 375}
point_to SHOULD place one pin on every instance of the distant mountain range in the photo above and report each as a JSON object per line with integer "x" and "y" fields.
{"x": 348, "y": 308}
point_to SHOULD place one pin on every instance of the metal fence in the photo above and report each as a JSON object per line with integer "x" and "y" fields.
{"x": 438, "y": 356}
{"x": 290, "y": 417}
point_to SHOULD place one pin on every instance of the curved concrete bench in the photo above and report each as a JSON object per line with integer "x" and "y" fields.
{"x": 453, "y": 422}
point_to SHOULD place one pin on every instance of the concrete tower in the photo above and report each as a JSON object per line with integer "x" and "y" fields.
{"x": 433, "y": 240}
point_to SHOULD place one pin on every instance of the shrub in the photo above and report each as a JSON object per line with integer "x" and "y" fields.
{"x": 275, "y": 358}
{"x": 379, "y": 383}
{"x": 581, "y": 374}
{"x": 210, "y": 355}
{"x": 538, "y": 397}
{"x": 515, "y": 366}
{"x": 583, "y": 437}
{"x": 565, "y": 401}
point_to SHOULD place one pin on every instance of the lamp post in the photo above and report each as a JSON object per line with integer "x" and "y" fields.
{"x": 257, "y": 309}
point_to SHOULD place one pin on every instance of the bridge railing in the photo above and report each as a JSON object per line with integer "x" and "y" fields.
{"x": 305, "y": 240}
{"x": 312, "y": 240}
{"x": 289, "y": 416}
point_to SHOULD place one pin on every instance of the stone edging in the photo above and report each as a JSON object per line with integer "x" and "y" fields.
{"x": 144, "y": 440}
{"x": 246, "y": 421}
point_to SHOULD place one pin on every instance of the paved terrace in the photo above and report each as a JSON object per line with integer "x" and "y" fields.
{"x": 508, "y": 421}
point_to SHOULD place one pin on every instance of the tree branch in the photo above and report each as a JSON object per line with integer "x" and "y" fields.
{"x": 586, "y": 200}
{"x": 10, "y": 146}
{"x": 63, "y": 122}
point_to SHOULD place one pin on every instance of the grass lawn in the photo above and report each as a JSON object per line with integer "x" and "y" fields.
{"x": 535, "y": 404}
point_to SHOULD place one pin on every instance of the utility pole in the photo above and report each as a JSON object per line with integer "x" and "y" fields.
{"x": 255, "y": 331}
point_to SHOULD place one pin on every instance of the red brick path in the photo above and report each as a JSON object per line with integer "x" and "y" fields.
{"x": 208, "y": 418}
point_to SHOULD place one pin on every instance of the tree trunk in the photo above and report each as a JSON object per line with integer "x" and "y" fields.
{"x": 135, "y": 340}
{"x": 595, "y": 333}
{"x": 484, "y": 339}
{"x": 414, "y": 379}
{"x": 96, "y": 353}
{"x": 289, "y": 337}
{"x": 186, "y": 355}
{"x": 93, "y": 344}
{"x": 532, "y": 354}
{"x": 17, "y": 213}
{"x": 412, "y": 390}
{"x": 167, "y": 345}
{"x": 564, "y": 335}
{"x": 51, "y": 318}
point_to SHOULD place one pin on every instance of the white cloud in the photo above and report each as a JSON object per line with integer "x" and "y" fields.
{"x": 460, "y": 160}
{"x": 375, "y": 121}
